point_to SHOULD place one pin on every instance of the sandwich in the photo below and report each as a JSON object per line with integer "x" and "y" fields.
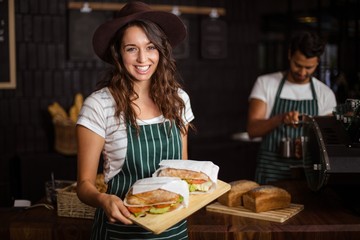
{"x": 156, "y": 196}
{"x": 156, "y": 202}
{"x": 197, "y": 181}
{"x": 201, "y": 176}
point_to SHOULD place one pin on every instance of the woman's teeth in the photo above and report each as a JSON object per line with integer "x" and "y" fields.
{"x": 143, "y": 68}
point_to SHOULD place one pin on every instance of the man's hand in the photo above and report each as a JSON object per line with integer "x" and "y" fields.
{"x": 291, "y": 118}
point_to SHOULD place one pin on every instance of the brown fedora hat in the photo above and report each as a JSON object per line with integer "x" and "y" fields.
{"x": 172, "y": 26}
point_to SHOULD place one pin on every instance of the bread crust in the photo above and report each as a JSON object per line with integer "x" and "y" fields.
{"x": 151, "y": 197}
{"x": 265, "y": 198}
{"x": 233, "y": 198}
{"x": 183, "y": 174}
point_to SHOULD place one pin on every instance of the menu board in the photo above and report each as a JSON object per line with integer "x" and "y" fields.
{"x": 213, "y": 38}
{"x": 81, "y": 29}
{"x": 7, "y": 45}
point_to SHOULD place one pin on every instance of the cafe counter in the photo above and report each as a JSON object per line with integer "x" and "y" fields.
{"x": 326, "y": 215}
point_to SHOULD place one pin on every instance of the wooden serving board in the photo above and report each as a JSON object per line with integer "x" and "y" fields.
{"x": 159, "y": 223}
{"x": 280, "y": 215}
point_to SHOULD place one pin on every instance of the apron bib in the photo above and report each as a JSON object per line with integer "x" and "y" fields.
{"x": 271, "y": 166}
{"x": 155, "y": 142}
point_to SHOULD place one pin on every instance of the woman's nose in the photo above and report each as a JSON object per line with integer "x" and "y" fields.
{"x": 141, "y": 56}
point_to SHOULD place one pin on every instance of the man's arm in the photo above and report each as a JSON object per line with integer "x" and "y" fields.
{"x": 258, "y": 125}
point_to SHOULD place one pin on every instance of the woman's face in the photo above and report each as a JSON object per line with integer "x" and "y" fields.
{"x": 139, "y": 55}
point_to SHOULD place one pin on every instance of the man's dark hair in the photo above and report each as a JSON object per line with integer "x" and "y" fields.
{"x": 308, "y": 43}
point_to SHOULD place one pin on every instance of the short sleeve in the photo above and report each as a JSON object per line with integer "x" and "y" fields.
{"x": 259, "y": 90}
{"x": 187, "y": 115}
{"x": 92, "y": 115}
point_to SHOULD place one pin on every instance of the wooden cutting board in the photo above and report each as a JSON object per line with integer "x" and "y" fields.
{"x": 159, "y": 223}
{"x": 280, "y": 215}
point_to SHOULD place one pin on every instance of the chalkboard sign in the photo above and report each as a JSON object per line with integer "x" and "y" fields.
{"x": 81, "y": 29}
{"x": 213, "y": 39}
{"x": 7, "y": 45}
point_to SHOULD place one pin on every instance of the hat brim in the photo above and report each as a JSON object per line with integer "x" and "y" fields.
{"x": 171, "y": 24}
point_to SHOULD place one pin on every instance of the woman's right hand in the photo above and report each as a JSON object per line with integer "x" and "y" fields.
{"x": 115, "y": 209}
{"x": 90, "y": 146}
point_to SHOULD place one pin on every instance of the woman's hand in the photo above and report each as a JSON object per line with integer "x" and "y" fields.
{"x": 115, "y": 209}
{"x": 90, "y": 146}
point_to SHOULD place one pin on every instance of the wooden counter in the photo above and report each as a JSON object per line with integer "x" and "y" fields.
{"x": 325, "y": 216}
{"x": 41, "y": 224}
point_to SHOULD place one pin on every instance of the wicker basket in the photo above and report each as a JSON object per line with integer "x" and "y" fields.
{"x": 65, "y": 137}
{"x": 69, "y": 205}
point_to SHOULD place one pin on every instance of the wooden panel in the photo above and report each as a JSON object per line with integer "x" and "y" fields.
{"x": 39, "y": 231}
{"x": 7, "y": 45}
{"x": 108, "y": 6}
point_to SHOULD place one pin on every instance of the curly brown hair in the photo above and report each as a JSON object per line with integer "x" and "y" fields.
{"x": 164, "y": 82}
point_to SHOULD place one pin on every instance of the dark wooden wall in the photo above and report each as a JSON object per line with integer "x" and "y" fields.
{"x": 218, "y": 88}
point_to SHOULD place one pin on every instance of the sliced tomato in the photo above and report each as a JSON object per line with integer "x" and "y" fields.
{"x": 162, "y": 205}
{"x": 138, "y": 209}
{"x": 196, "y": 181}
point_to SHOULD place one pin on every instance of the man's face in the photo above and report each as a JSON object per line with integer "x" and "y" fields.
{"x": 301, "y": 68}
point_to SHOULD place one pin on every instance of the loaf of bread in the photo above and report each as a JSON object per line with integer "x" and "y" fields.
{"x": 232, "y": 198}
{"x": 265, "y": 198}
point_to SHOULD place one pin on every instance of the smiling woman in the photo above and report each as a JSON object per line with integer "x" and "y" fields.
{"x": 7, "y": 45}
{"x": 138, "y": 116}
{"x": 140, "y": 56}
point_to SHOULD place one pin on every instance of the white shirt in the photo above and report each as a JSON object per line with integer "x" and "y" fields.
{"x": 98, "y": 115}
{"x": 266, "y": 86}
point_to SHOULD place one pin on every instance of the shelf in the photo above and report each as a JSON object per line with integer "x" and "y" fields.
{"x": 167, "y": 8}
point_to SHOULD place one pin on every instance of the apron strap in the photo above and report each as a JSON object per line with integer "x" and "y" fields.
{"x": 281, "y": 85}
{"x": 277, "y": 96}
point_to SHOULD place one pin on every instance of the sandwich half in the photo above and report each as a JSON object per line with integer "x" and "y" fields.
{"x": 156, "y": 195}
{"x": 156, "y": 202}
{"x": 197, "y": 181}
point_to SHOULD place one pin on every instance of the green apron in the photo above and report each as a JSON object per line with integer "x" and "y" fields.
{"x": 144, "y": 154}
{"x": 271, "y": 166}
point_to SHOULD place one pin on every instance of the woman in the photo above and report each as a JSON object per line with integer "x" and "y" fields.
{"x": 138, "y": 116}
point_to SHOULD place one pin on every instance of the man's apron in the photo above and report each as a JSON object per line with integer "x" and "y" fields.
{"x": 271, "y": 166}
{"x": 144, "y": 154}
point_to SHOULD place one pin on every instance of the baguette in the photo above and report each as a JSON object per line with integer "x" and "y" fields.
{"x": 265, "y": 198}
{"x": 233, "y": 198}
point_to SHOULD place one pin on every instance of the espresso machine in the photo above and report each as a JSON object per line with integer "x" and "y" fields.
{"x": 331, "y": 152}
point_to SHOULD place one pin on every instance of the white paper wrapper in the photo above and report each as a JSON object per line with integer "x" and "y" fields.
{"x": 207, "y": 167}
{"x": 172, "y": 184}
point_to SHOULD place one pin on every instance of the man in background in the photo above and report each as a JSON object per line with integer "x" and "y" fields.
{"x": 278, "y": 99}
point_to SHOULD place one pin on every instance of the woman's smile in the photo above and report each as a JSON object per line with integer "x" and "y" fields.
{"x": 142, "y": 69}
{"x": 139, "y": 54}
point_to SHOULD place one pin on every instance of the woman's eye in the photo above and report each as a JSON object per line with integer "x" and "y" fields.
{"x": 152, "y": 47}
{"x": 131, "y": 49}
